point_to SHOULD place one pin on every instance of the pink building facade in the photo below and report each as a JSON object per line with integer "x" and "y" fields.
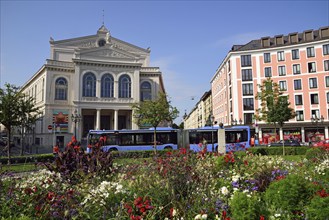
{"x": 298, "y": 62}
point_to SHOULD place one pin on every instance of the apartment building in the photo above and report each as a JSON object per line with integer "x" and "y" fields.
{"x": 298, "y": 62}
{"x": 200, "y": 115}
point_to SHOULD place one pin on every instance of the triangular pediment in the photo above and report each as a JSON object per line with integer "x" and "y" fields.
{"x": 106, "y": 53}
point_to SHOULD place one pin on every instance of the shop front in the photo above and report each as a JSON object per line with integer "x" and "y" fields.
{"x": 292, "y": 134}
{"x": 314, "y": 134}
{"x": 269, "y": 135}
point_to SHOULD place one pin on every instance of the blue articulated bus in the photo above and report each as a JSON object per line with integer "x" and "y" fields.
{"x": 237, "y": 138}
{"x": 135, "y": 140}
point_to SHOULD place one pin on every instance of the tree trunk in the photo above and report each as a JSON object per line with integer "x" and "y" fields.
{"x": 8, "y": 145}
{"x": 22, "y": 141}
{"x": 155, "y": 140}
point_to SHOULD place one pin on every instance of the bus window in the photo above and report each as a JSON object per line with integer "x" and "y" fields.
{"x": 126, "y": 139}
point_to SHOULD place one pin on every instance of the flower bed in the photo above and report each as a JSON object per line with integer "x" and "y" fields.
{"x": 176, "y": 185}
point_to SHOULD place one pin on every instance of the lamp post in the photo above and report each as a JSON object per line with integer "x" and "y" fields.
{"x": 76, "y": 118}
{"x": 212, "y": 120}
{"x": 234, "y": 122}
{"x": 315, "y": 120}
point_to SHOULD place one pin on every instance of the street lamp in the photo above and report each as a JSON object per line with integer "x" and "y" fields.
{"x": 76, "y": 118}
{"x": 212, "y": 120}
{"x": 316, "y": 120}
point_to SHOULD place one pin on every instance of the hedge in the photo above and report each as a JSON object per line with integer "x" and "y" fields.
{"x": 36, "y": 158}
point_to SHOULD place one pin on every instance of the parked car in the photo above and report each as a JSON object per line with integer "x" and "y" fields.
{"x": 288, "y": 143}
{"x": 322, "y": 143}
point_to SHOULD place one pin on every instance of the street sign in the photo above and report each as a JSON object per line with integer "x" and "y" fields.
{"x": 50, "y": 128}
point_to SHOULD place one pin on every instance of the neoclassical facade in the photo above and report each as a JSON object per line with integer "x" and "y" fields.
{"x": 96, "y": 78}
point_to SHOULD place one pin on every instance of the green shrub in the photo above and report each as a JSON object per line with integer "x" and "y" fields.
{"x": 245, "y": 207}
{"x": 315, "y": 154}
{"x": 289, "y": 196}
{"x": 318, "y": 209}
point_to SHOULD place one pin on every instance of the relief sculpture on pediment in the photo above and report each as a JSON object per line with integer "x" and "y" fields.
{"x": 85, "y": 44}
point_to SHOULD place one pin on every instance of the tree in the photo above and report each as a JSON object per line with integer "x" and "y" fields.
{"x": 9, "y": 110}
{"x": 274, "y": 105}
{"x": 16, "y": 109}
{"x": 154, "y": 112}
{"x": 28, "y": 114}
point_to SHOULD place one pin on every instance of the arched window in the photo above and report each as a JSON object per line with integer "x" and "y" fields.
{"x": 61, "y": 89}
{"x": 107, "y": 85}
{"x": 89, "y": 85}
{"x": 146, "y": 93}
{"x": 124, "y": 86}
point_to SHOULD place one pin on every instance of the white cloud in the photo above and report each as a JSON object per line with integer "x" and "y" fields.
{"x": 237, "y": 39}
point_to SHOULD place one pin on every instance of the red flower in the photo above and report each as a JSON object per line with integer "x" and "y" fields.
{"x": 50, "y": 195}
{"x": 322, "y": 193}
{"x": 261, "y": 217}
{"x": 245, "y": 162}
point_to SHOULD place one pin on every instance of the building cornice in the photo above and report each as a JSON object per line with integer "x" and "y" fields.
{"x": 107, "y": 64}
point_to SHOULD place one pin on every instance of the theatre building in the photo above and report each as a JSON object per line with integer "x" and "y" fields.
{"x": 90, "y": 82}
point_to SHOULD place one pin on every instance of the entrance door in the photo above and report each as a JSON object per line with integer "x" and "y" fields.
{"x": 88, "y": 124}
{"x": 122, "y": 122}
{"x": 105, "y": 122}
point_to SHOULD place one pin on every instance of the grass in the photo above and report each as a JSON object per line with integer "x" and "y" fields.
{"x": 121, "y": 161}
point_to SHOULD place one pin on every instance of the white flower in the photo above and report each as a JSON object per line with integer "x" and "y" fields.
{"x": 204, "y": 216}
{"x": 198, "y": 216}
{"x": 277, "y": 215}
{"x": 224, "y": 190}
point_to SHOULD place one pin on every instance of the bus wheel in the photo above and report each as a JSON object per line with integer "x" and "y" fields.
{"x": 216, "y": 149}
{"x": 168, "y": 148}
{"x": 113, "y": 149}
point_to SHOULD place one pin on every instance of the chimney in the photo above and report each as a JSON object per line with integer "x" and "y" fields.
{"x": 324, "y": 32}
{"x": 293, "y": 38}
{"x": 308, "y": 35}
{"x": 265, "y": 41}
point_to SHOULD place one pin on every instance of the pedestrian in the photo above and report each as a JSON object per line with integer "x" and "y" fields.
{"x": 56, "y": 150}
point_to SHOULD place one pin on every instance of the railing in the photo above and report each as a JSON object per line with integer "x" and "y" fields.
{"x": 60, "y": 63}
{"x": 111, "y": 100}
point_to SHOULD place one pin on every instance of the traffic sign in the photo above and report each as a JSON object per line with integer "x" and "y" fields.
{"x": 50, "y": 127}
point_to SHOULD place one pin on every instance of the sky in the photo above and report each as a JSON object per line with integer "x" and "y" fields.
{"x": 188, "y": 39}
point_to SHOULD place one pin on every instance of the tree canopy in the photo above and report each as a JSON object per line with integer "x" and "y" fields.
{"x": 152, "y": 113}
{"x": 274, "y": 104}
{"x": 16, "y": 109}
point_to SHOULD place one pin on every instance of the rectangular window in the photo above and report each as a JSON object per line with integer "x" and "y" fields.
{"x": 295, "y": 54}
{"x": 298, "y": 99}
{"x": 325, "y": 49}
{"x": 283, "y": 85}
{"x": 315, "y": 113}
{"x": 248, "y": 104}
{"x": 267, "y": 57}
{"x": 245, "y": 60}
{"x": 326, "y": 65}
{"x": 296, "y": 68}
{"x": 328, "y": 98}
{"x": 313, "y": 83}
{"x": 310, "y": 52}
{"x": 299, "y": 115}
{"x": 247, "y": 75}
{"x": 327, "y": 81}
{"x": 311, "y": 67}
{"x": 281, "y": 56}
{"x": 247, "y": 89}
{"x": 282, "y": 70}
{"x": 297, "y": 84}
{"x": 248, "y": 118}
{"x": 268, "y": 72}
{"x": 314, "y": 99}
